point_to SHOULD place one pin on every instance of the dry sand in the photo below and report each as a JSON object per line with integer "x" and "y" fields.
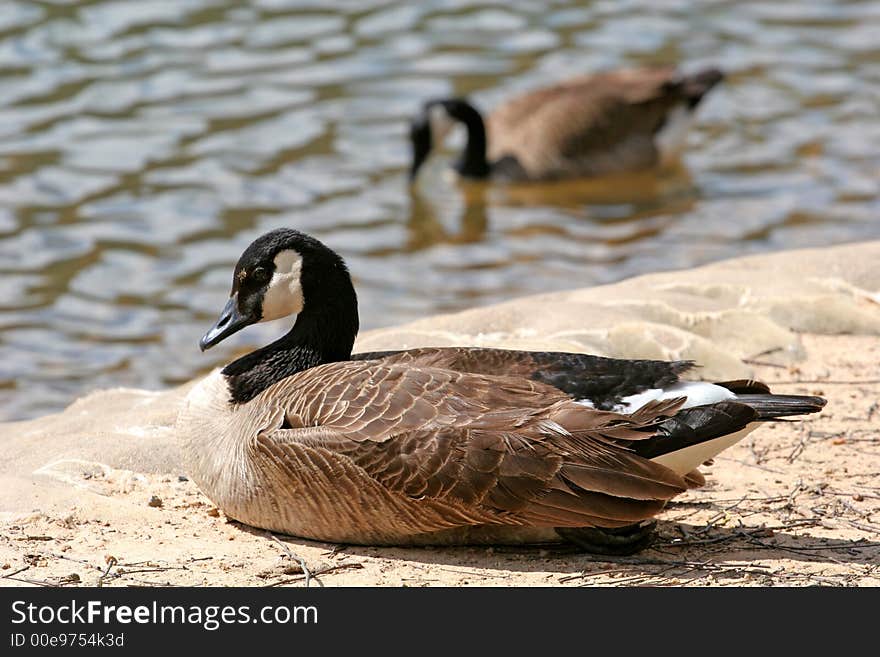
{"x": 797, "y": 503}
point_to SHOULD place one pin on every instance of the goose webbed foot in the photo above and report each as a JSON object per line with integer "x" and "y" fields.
{"x": 621, "y": 541}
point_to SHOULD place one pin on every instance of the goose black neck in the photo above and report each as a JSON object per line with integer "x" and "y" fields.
{"x": 473, "y": 162}
{"x": 321, "y": 334}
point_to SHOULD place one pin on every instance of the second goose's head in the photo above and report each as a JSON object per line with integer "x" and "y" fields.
{"x": 286, "y": 272}
{"x": 436, "y": 120}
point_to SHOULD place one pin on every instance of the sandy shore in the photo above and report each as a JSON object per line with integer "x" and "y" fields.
{"x": 797, "y": 503}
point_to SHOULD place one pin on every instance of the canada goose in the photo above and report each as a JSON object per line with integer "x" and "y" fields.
{"x": 441, "y": 445}
{"x": 612, "y": 122}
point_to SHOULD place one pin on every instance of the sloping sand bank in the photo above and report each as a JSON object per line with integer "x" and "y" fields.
{"x": 94, "y": 495}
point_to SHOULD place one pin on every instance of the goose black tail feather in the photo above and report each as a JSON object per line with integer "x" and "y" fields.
{"x": 698, "y": 424}
{"x": 769, "y": 407}
{"x": 695, "y": 425}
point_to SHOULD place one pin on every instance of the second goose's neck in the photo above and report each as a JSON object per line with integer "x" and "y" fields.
{"x": 325, "y": 335}
{"x": 473, "y": 163}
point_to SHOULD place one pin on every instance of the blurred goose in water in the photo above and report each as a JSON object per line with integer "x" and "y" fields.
{"x": 612, "y": 122}
{"x": 441, "y": 445}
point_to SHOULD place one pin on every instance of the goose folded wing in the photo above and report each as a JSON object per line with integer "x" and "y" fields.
{"x": 489, "y": 446}
{"x": 584, "y": 115}
{"x": 601, "y": 380}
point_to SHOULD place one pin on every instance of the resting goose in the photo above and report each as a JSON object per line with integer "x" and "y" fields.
{"x": 441, "y": 445}
{"x": 612, "y": 122}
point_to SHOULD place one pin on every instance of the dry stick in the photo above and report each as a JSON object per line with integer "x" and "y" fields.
{"x": 736, "y": 504}
{"x": 800, "y": 551}
{"x": 703, "y": 541}
{"x": 320, "y": 571}
{"x": 629, "y": 580}
{"x": 80, "y": 561}
{"x": 858, "y": 512}
{"x": 751, "y": 465}
{"x": 758, "y": 457}
{"x": 798, "y": 488}
{"x": 36, "y": 582}
{"x": 753, "y": 360}
{"x": 585, "y": 574}
{"x": 853, "y": 545}
{"x": 862, "y": 526}
{"x": 160, "y": 569}
{"x": 659, "y": 573}
{"x": 468, "y": 572}
{"x": 145, "y": 584}
{"x": 105, "y": 573}
{"x": 112, "y": 561}
{"x": 670, "y": 565}
{"x": 688, "y": 542}
{"x": 764, "y": 363}
{"x": 10, "y": 575}
{"x": 767, "y": 498}
{"x": 706, "y": 572}
{"x": 56, "y": 556}
{"x": 796, "y": 452}
{"x": 299, "y": 560}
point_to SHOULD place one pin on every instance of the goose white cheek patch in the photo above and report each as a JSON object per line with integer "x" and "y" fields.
{"x": 284, "y": 293}
{"x": 441, "y": 124}
{"x": 672, "y": 138}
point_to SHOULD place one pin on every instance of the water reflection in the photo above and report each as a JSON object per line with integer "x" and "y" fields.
{"x": 456, "y": 219}
{"x": 143, "y": 145}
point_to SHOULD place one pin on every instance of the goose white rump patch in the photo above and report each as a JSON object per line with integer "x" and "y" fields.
{"x": 698, "y": 393}
{"x": 671, "y": 139}
{"x": 284, "y": 295}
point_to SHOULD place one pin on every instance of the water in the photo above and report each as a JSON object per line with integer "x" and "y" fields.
{"x": 144, "y": 144}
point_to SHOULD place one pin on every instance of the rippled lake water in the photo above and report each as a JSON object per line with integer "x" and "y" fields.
{"x": 144, "y": 144}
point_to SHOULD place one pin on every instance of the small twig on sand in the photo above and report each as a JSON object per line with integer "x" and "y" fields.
{"x": 16, "y": 572}
{"x": 753, "y": 360}
{"x": 315, "y": 574}
{"x": 111, "y": 561}
{"x": 705, "y": 567}
{"x": 763, "y": 363}
{"x": 36, "y": 582}
{"x": 797, "y": 451}
{"x": 302, "y": 562}
{"x": 471, "y": 573}
{"x": 79, "y": 561}
{"x": 751, "y": 465}
{"x": 864, "y": 527}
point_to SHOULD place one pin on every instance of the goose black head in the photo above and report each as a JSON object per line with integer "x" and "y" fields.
{"x": 436, "y": 120}
{"x": 281, "y": 273}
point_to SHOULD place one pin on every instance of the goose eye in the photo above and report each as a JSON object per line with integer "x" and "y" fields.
{"x": 260, "y": 274}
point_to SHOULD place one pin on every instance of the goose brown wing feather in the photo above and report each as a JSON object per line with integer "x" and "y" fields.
{"x": 582, "y": 376}
{"x": 584, "y": 118}
{"x": 505, "y": 447}
{"x": 370, "y": 401}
